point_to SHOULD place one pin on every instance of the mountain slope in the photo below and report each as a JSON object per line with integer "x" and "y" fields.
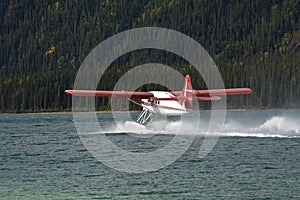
{"x": 43, "y": 44}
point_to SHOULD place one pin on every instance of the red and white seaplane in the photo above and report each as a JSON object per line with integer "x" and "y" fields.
{"x": 173, "y": 103}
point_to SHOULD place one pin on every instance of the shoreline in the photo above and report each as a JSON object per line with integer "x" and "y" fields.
{"x": 70, "y": 112}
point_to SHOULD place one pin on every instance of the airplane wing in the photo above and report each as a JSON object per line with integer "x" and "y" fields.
{"x": 213, "y": 95}
{"x": 203, "y": 95}
{"x": 108, "y": 93}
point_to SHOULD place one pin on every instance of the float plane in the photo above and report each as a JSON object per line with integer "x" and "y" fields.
{"x": 174, "y": 103}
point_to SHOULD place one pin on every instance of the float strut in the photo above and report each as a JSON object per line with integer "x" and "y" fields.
{"x": 144, "y": 116}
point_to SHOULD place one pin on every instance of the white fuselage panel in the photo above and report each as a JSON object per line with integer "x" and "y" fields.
{"x": 161, "y": 105}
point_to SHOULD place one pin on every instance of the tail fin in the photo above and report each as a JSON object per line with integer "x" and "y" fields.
{"x": 186, "y": 96}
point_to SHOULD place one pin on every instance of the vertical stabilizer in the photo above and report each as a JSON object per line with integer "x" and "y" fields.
{"x": 186, "y": 96}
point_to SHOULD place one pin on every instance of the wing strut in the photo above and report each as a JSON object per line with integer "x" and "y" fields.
{"x": 135, "y": 102}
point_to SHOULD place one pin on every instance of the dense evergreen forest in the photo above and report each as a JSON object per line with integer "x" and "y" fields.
{"x": 254, "y": 43}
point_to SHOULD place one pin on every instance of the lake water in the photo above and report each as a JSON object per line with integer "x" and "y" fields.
{"x": 257, "y": 156}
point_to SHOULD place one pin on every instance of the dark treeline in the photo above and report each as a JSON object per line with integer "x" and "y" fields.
{"x": 42, "y": 44}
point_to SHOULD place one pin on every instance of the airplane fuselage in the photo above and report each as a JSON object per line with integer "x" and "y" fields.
{"x": 164, "y": 103}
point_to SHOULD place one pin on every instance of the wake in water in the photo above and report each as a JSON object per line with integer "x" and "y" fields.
{"x": 238, "y": 124}
{"x": 282, "y": 124}
{"x": 275, "y": 126}
{"x": 155, "y": 127}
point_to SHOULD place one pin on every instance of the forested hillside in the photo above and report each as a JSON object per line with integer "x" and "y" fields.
{"x": 255, "y": 44}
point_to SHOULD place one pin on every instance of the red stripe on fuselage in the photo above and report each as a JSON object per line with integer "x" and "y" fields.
{"x": 160, "y": 106}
